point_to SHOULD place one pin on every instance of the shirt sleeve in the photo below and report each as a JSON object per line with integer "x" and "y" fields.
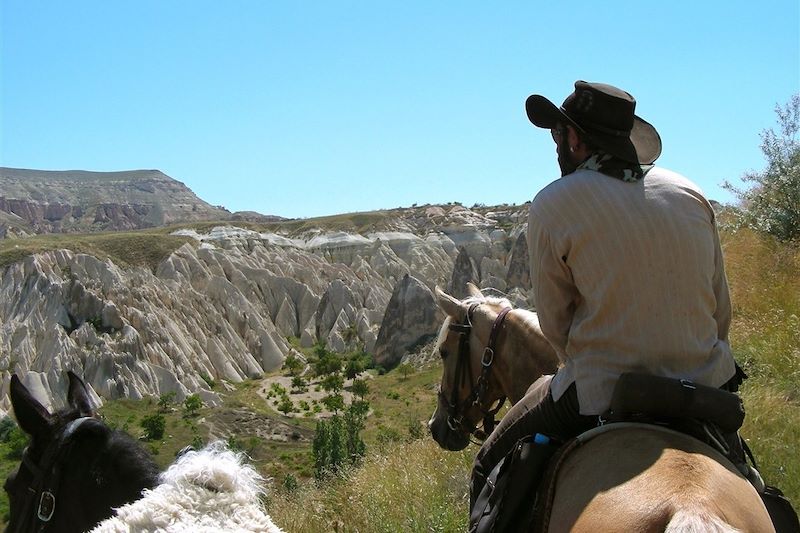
{"x": 554, "y": 291}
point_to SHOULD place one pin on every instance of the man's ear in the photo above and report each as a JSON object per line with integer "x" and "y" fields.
{"x": 31, "y": 415}
{"x": 78, "y": 395}
{"x": 573, "y": 138}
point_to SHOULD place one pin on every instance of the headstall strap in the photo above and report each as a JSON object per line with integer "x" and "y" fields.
{"x": 478, "y": 389}
{"x": 46, "y": 487}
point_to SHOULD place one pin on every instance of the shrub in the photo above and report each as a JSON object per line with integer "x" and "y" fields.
{"x": 293, "y": 364}
{"x": 285, "y": 406}
{"x": 192, "y": 404}
{"x": 290, "y": 483}
{"x": 772, "y": 205}
{"x": 153, "y": 426}
{"x": 405, "y": 370}
{"x": 165, "y": 400}
{"x": 13, "y": 437}
{"x": 337, "y": 443}
{"x": 360, "y": 388}
{"x": 299, "y": 384}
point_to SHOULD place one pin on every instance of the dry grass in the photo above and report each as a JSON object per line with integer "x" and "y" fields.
{"x": 412, "y": 487}
{"x": 136, "y": 248}
{"x": 764, "y": 276}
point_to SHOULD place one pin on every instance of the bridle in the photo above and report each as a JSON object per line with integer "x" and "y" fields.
{"x": 46, "y": 478}
{"x": 455, "y": 409}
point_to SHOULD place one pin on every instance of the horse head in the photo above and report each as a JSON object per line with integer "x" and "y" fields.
{"x": 469, "y": 390}
{"x": 75, "y": 469}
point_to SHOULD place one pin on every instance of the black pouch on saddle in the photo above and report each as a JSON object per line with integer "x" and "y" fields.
{"x": 780, "y": 510}
{"x": 659, "y": 398}
{"x": 506, "y": 502}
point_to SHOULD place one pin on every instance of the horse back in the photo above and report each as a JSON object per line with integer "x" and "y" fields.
{"x": 639, "y": 479}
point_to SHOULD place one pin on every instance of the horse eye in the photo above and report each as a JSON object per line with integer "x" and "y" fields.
{"x": 443, "y": 353}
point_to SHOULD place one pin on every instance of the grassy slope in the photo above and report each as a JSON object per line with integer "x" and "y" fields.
{"x": 764, "y": 277}
{"x": 135, "y": 248}
{"x": 765, "y": 285}
{"x": 409, "y": 484}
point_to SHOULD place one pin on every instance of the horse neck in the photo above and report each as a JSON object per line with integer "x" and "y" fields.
{"x": 522, "y": 353}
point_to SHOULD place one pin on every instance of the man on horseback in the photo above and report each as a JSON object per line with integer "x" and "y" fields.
{"x": 626, "y": 269}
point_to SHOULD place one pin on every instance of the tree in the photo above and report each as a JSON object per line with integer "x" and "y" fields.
{"x": 327, "y": 362}
{"x": 13, "y": 437}
{"x": 293, "y": 364}
{"x": 192, "y": 403}
{"x": 337, "y": 442}
{"x": 165, "y": 400}
{"x": 333, "y": 383}
{"x": 360, "y": 388}
{"x": 334, "y": 402}
{"x": 285, "y": 405}
{"x": 154, "y": 426}
{"x": 405, "y": 370}
{"x": 299, "y": 384}
{"x": 772, "y": 205}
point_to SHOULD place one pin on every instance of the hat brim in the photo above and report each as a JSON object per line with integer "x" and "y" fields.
{"x": 643, "y": 146}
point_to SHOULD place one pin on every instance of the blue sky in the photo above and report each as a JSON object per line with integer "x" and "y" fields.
{"x": 319, "y": 107}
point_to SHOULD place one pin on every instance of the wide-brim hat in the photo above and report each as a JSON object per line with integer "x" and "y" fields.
{"x": 605, "y": 115}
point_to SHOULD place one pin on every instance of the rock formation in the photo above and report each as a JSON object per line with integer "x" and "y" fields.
{"x": 68, "y": 201}
{"x": 412, "y": 318}
{"x": 223, "y": 305}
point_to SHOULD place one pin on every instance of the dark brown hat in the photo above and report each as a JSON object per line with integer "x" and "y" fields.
{"x": 605, "y": 115}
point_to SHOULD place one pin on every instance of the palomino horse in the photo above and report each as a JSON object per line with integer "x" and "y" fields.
{"x": 77, "y": 472}
{"x": 633, "y": 479}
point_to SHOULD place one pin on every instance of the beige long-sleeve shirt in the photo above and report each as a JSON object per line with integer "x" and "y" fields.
{"x": 629, "y": 277}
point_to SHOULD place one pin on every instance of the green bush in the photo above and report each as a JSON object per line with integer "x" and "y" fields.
{"x": 154, "y": 426}
{"x": 165, "y": 400}
{"x": 13, "y": 438}
{"x": 338, "y": 443}
{"x": 772, "y": 204}
{"x": 192, "y": 404}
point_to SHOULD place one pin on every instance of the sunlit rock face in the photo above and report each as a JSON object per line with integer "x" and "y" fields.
{"x": 412, "y": 318}
{"x": 225, "y": 305}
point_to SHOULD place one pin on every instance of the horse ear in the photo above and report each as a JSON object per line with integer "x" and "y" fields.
{"x": 31, "y": 415}
{"x": 78, "y": 395}
{"x": 450, "y": 305}
{"x": 473, "y": 290}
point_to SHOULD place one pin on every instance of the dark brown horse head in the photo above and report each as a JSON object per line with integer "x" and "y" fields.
{"x": 466, "y": 392}
{"x": 75, "y": 469}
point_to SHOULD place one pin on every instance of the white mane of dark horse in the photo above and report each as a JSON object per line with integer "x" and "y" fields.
{"x": 206, "y": 491}
{"x": 77, "y": 472}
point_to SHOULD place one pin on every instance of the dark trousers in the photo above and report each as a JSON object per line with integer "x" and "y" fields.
{"x": 536, "y": 412}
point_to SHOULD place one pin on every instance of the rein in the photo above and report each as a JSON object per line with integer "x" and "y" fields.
{"x": 455, "y": 418}
{"x": 46, "y": 478}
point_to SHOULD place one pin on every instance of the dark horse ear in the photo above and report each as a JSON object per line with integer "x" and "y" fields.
{"x": 31, "y": 415}
{"x": 78, "y": 395}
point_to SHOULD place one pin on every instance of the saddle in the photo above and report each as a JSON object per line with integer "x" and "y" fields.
{"x": 528, "y": 473}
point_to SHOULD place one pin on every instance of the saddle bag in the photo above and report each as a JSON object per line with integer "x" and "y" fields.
{"x": 506, "y": 503}
{"x": 664, "y": 398}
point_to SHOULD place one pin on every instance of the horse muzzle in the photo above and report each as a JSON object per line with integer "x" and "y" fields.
{"x": 446, "y": 433}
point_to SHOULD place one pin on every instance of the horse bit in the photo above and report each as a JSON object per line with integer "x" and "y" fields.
{"x": 455, "y": 420}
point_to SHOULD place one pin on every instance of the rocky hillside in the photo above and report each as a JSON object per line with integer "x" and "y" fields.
{"x": 41, "y": 201}
{"x": 223, "y": 305}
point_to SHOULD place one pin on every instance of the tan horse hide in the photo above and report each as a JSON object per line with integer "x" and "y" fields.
{"x": 638, "y": 478}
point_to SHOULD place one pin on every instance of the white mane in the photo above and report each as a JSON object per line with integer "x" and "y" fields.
{"x": 203, "y": 492}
